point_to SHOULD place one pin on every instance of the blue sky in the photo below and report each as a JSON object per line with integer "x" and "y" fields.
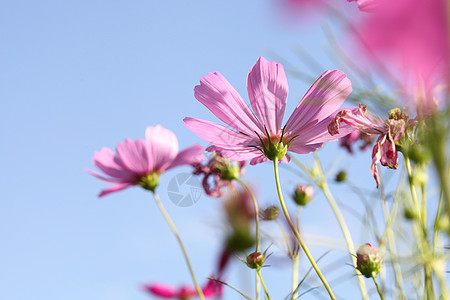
{"x": 76, "y": 76}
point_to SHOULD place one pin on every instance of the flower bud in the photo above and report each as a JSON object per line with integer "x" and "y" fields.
{"x": 368, "y": 260}
{"x": 269, "y": 214}
{"x": 302, "y": 194}
{"x": 341, "y": 176}
{"x": 227, "y": 169}
{"x": 255, "y": 260}
{"x": 410, "y": 213}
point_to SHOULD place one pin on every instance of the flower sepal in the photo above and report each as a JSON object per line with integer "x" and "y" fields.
{"x": 149, "y": 181}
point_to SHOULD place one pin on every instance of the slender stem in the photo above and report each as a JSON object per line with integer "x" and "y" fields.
{"x": 411, "y": 184}
{"x": 175, "y": 232}
{"x": 295, "y": 261}
{"x": 424, "y": 206}
{"x": 255, "y": 205}
{"x": 436, "y": 223}
{"x": 348, "y": 238}
{"x": 389, "y": 218}
{"x": 258, "y": 237}
{"x": 378, "y": 288}
{"x": 258, "y": 272}
{"x": 297, "y": 234}
{"x": 421, "y": 233}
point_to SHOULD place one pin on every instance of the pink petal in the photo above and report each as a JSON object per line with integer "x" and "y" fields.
{"x": 109, "y": 164}
{"x": 237, "y": 154}
{"x": 358, "y": 118}
{"x": 389, "y": 156}
{"x": 189, "y": 156}
{"x": 186, "y": 292}
{"x": 161, "y": 290}
{"x": 367, "y": 5}
{"x": 115, "y": 188}
{"x": 217, "y": 94}
{"x": 212, "y": 288}
{"x": 262, "y": 158}
{"x": 259, "y": 159}
{"x": 268, "y": 90}
{"x": 324, "y": 97}
{"x": 133, "y": 155}
{"x": 162, "y": 146}
{"x": 304, "y": 149}
{"x": 112, "y": 180}
{"x": 319, "y": 134}
{"x": 376, "y": 157}
{"x": 219, "y": 135}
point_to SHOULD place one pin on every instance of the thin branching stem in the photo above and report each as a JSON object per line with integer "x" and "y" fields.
{"x": 346, "y": 232}
{"x": 180, "y": 242}
{"x": 297, "y": 234}
{"x": 258, "y": 237}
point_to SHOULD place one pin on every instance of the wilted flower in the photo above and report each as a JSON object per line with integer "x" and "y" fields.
{"x": 161, "y": 290}
{"x": 368, "y": 260}
{"x": 259, "y": 136}
{"x": 269, "y": 214}
{"x": 222, "y": 170}
{"x": 390, "y": 131}
{"x": 350, "y": 139}
{"x": 140, "y": 162}
{"x": 303, "y": 194}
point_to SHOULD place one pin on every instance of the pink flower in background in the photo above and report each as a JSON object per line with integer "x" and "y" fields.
{"x": 161, "y": 290}
{"x": 390, "y": 131}
{"x": 258, "y": 135}
{"x": 366, "y": 5}
{"x": 410, "y": 34}
{"x": 140, "y": 162}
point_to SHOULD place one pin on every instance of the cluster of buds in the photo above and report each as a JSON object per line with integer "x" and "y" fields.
{"x": 223, "y": 172}
{"x": 368, "y": 260}
{"x": 303, "y": 194}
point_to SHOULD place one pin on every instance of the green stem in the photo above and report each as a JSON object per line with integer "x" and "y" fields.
{"x": 348, "y": 238}
{"x": 255, "y": 205}
{"x": 436, "y": 224}
{"x": 258, "y": 237}
{"x": 378, "y": 288}
{"x": 421, "y": 234}
{"x": 258, "y": 272}
{"x": 389, "y": 218}
{"x": 175, "y": 232}
{"x": 295, "y": 261}
{"x": 297, "y": 234}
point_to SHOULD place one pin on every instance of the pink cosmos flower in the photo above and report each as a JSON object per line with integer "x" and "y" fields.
{"x": 258, "y": 135}
{"x": 410, "y": 34}
{"x": 140, "y": 162}
{"x": 161, "y": 290}
{"x": 390, "y": 131}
